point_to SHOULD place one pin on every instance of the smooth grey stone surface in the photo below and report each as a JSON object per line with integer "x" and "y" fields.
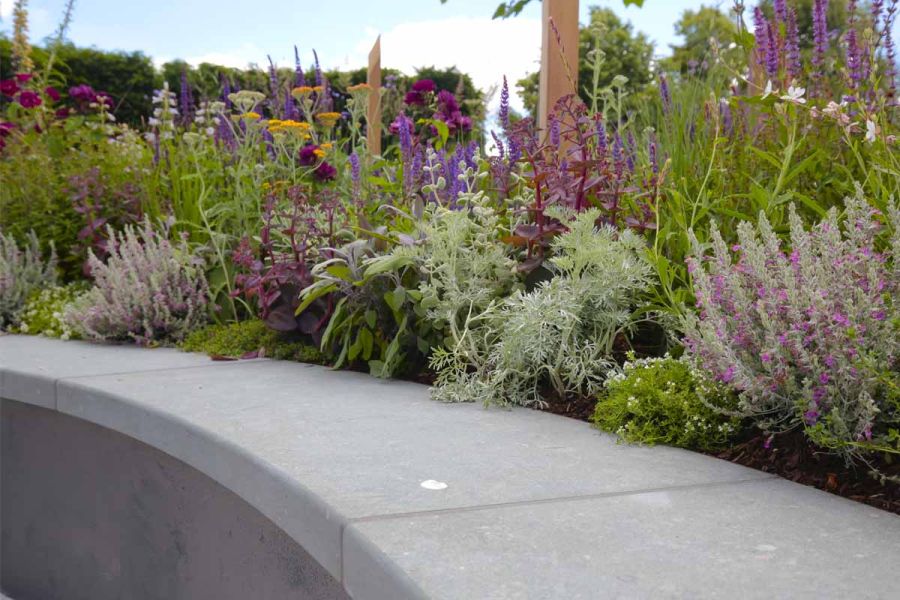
{"x": 536, "y": 505}
{"x": 32, "y": 364}
{"x": 91, "y": 514}
{"x": 758, "y": 539}
{"x": 352, "y": 446}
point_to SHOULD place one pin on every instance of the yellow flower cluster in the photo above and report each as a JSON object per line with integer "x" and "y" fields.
{"x": 305, "y": 90}
{"x": 359, "y": 87}
{"x": 299, "y": 128}
{"x": 328, "y": 119}
{"x": 249, "y": 116}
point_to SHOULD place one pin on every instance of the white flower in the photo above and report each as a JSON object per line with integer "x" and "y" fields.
{"x": 153, "y": 121}
{"x": 795, "y": 95}
{"x": 210, "y": 131}
{"x": 872, "y": 131}
{"x": 769, "y": 90}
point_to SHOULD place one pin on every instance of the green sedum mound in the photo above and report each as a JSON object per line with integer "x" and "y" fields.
{"x": 658, "y": 401}
{"x": 43, "y": 312}
{"x": 235, "y": 340}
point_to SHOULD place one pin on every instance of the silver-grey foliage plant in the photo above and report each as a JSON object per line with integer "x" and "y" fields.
{"x": 808, "y": 334}
{"x": 22, "y": 271}
{"x": 148, "y": 290}
{"x": 560, "y": 334}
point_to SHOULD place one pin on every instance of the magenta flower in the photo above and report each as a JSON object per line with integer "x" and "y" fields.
{"x": 29, "y": 99}
{"x": 307, "y": 156}
{"x": 325, "y": 171}
{"x": 417, "y": 93}
{"x": 9, "y": 87}
{"x": 82, "y": 94}
{"x": 424, "y": 86}
{"x": 52, "y": 93}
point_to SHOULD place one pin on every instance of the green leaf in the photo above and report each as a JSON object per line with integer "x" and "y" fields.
{"x": 314, "y": 292}
{"x": 367, "y": 340}
{"x": 341, "y": 271}
{"x": 376, "y": 367}
{"x": 395, "y": 299}
{"x": 370, "y": 318}
{"x": 442, "y": 129}
{"x": 385, "y": 264}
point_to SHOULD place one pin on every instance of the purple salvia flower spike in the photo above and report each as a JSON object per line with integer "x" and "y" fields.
{"x": 781, "y": 11}
{"x": 185, "y": 99}
{"x": 771, "y": 52}
{"x": 792, "y": 46}
{"x": 664, "y": 94}
{"x": 890, "y": 53}
{"x": 602, "y": 145}
{"x": 299, "y": 77}
{"x": 318, "y": 68}
{"x": 554, "y": 130}
{"x": 761, "y": 33}
{"x": 500, "y": 148}
{"x": 820, "y": 37}
{"x": 226, "y": 91}
{"x": 273, "y": 87}
{"x": 504, "y": 105}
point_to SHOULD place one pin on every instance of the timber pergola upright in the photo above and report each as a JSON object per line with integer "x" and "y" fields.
{"x": 559, "y": 67}
{"x": 559, "y": 55}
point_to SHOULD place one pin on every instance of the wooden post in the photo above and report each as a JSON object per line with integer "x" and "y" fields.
{"x": 559, "y": 55}
{"x": 373, "y": 115}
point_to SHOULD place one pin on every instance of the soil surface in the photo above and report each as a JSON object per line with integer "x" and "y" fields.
{"x": 790, "y": 456}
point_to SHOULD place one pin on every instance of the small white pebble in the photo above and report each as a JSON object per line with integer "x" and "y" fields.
{"x": 431, "y": 484}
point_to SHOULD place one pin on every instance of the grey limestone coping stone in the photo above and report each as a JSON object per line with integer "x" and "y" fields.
{"x": 536, "y": 505}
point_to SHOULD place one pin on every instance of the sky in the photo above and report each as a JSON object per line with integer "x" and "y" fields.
{"x": 414, "y": 33}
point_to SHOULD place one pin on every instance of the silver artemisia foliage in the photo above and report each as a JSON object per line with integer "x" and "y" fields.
{"x": 22, "y": 271}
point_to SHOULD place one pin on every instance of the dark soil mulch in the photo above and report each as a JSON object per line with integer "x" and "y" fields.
{"x": 791, "y": 456}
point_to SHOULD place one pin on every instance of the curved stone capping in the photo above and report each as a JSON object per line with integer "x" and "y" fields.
{"x": 536, "y": 506}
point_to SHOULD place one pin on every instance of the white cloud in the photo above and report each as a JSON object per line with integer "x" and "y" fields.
{"x": 6, "y": 8}
{"x": 238, "y": 58}
{"x": 485, "y": 49}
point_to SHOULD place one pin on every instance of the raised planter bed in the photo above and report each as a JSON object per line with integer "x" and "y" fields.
{"x": 322, "y": 471}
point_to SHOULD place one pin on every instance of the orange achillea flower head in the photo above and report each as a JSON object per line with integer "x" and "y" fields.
{"x": 328, "y": 119}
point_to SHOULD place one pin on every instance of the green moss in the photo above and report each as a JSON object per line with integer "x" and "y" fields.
{"x": 657, "y": 401}
{"x": 237, "y": 339}
{"x": 44, "y": 309}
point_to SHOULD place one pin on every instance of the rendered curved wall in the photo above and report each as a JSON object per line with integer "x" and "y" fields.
{"x": 88, "y": 513}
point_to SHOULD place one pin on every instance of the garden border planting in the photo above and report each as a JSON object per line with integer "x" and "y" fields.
{"x": 400, "y": 497}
